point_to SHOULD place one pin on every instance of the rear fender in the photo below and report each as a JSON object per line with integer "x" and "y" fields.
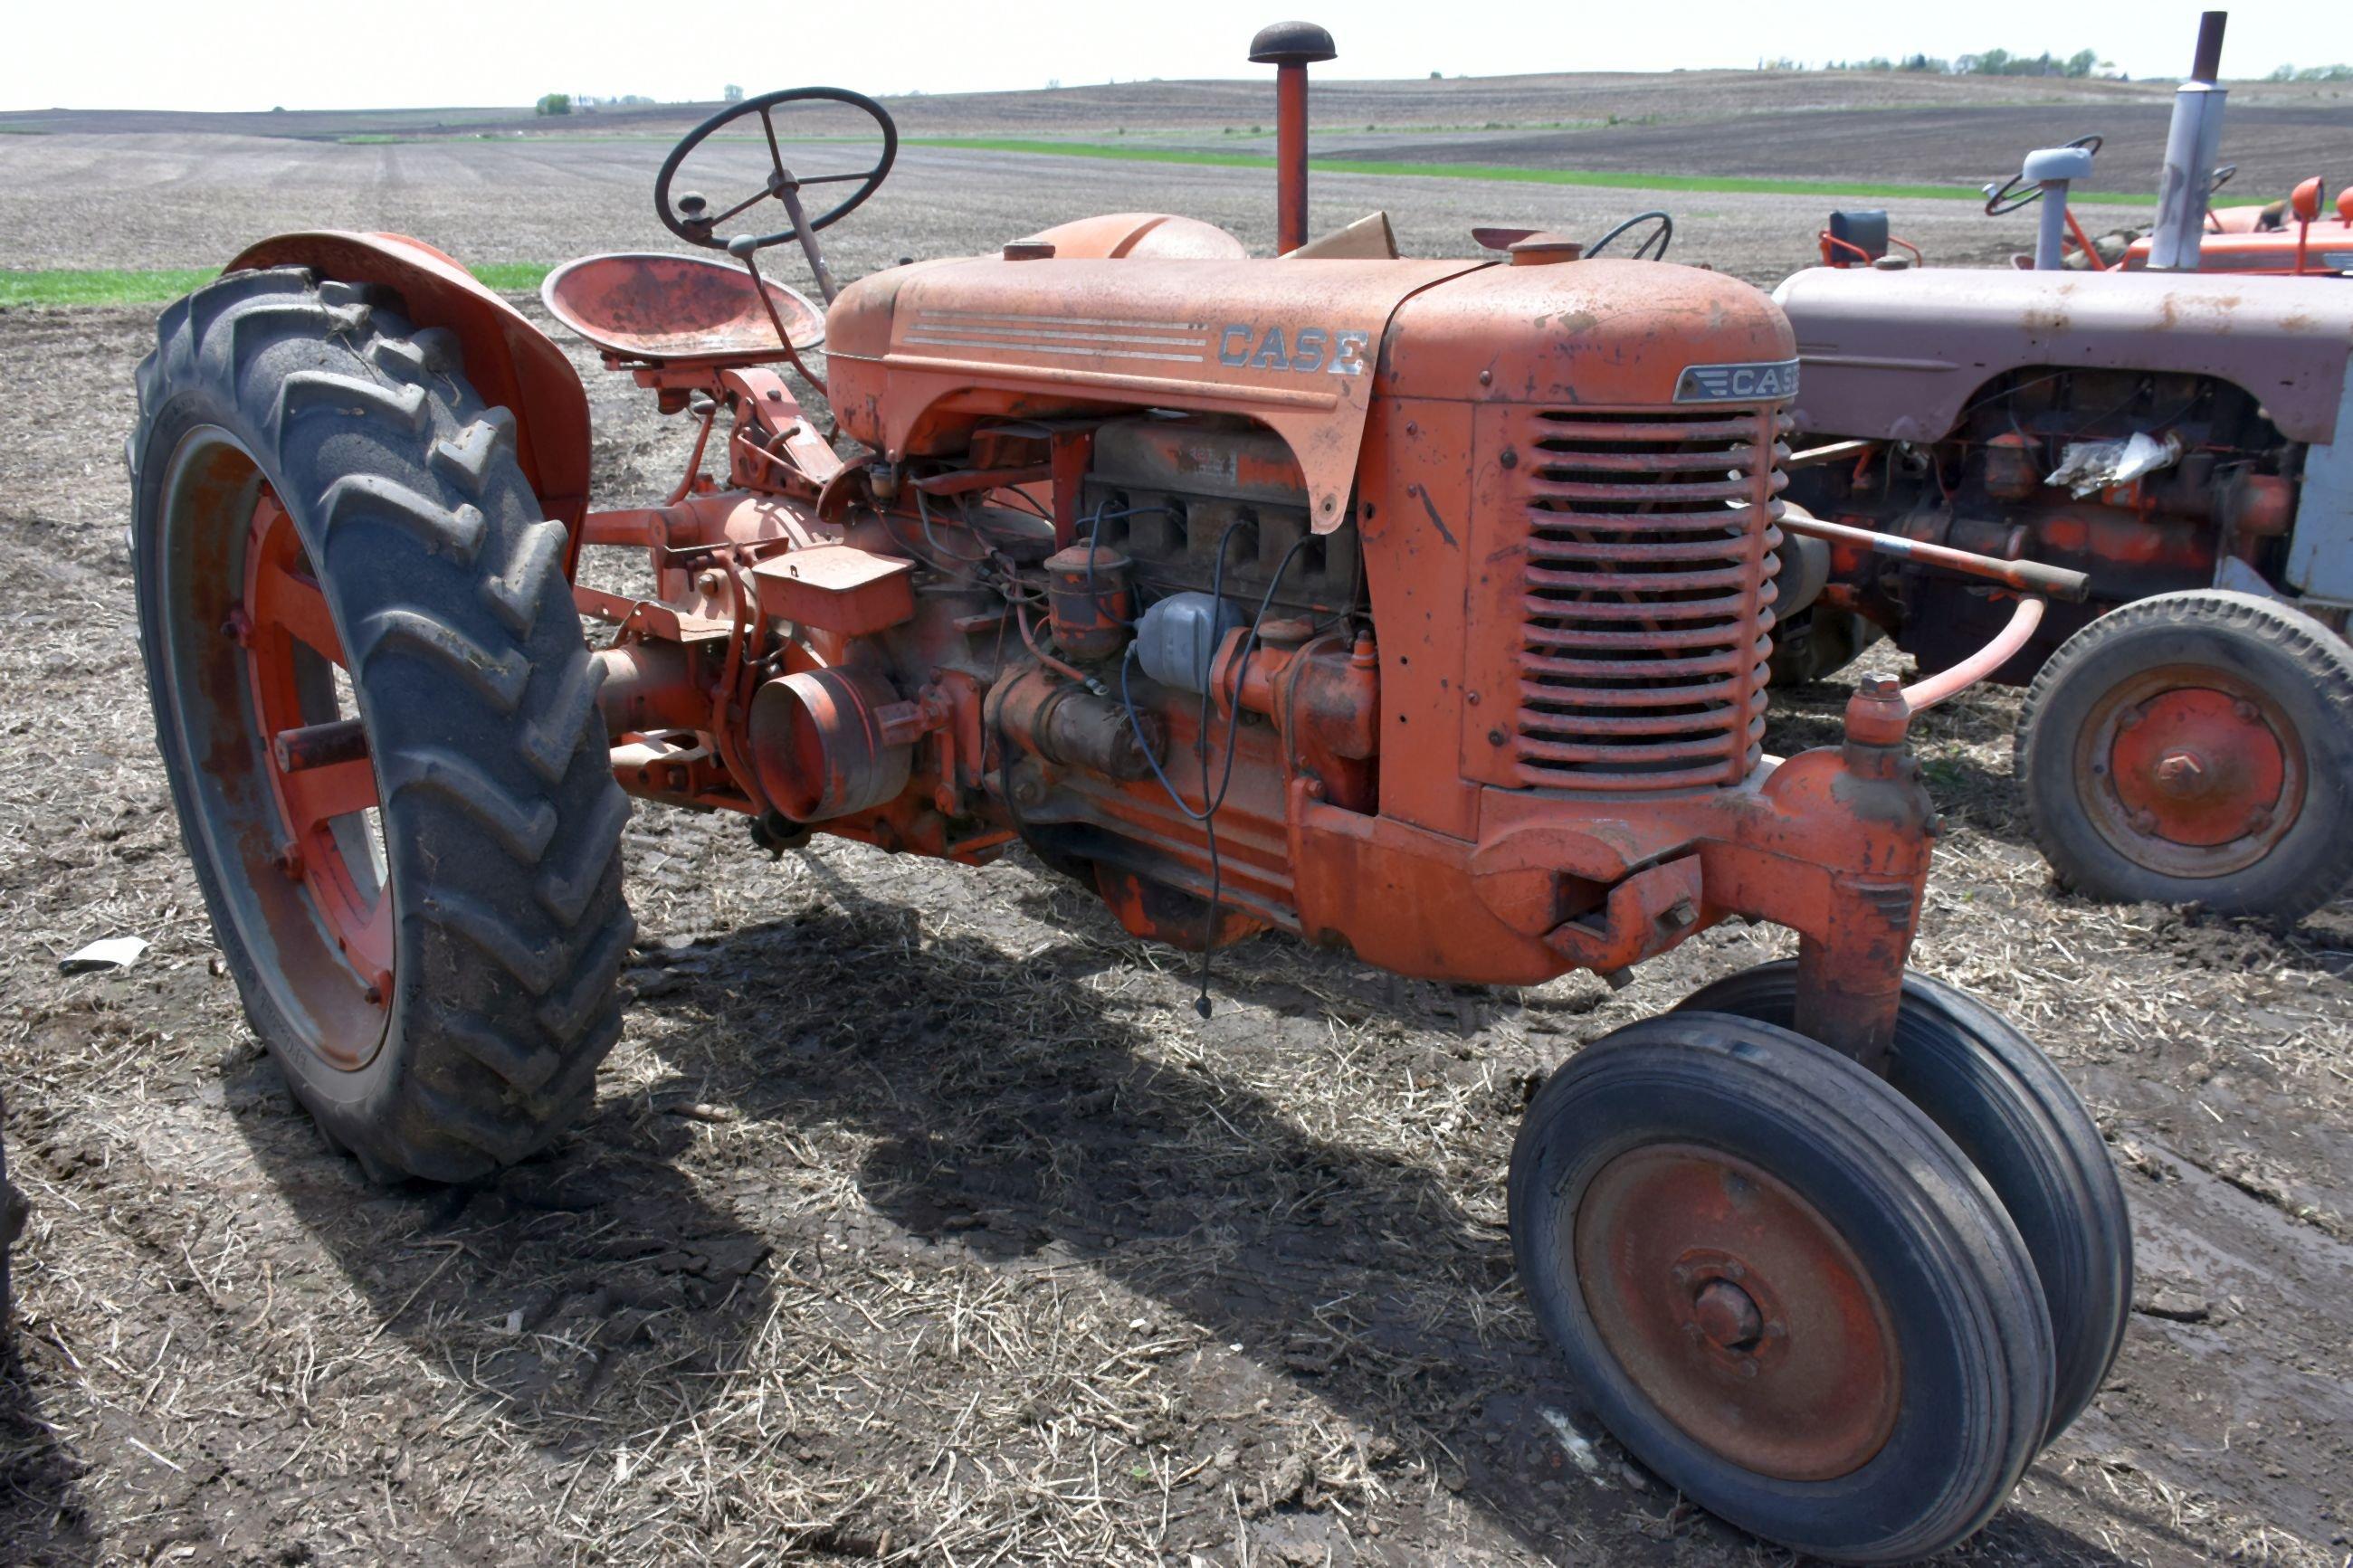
{"x": 512, "y": 362}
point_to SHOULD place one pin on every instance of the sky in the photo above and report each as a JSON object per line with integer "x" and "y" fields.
{"x": 330, "y": 54}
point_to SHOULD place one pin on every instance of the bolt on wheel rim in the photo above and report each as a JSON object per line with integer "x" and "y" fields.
{"x": 2190, "y": 772}
{"x": 1736, "y": 1309}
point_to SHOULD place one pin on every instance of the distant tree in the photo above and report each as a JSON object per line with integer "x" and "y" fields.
{"x": 1440, "y": 76}
{"x": 2083, "y": 62}
{"x": 1053, "y": 84}
{"x": 555, "y": 103}
{"x": 1925, "y": 63}
{"x": 730, "y": 93}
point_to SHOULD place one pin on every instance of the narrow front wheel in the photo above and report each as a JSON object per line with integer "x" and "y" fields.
{"x": 1781, "y": 1286}
{"x": 1993, "y": 1092}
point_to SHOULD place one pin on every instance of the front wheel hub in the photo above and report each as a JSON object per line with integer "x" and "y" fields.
{"x": 1738, "y": 1311}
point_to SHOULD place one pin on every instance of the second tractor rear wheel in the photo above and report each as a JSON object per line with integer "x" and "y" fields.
{"x": 1781, "y": 1286}
{"x": 2196, "y": 748}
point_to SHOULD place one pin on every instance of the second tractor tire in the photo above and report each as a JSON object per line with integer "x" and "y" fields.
{"x": 2291, "y": 680}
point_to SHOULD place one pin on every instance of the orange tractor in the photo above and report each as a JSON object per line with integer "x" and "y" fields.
{"x": 1419, "y": 609}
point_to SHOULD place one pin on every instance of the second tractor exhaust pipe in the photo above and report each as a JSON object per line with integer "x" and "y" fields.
{"x": 2191, "y": 144}
{"x": 1290, "y": 47}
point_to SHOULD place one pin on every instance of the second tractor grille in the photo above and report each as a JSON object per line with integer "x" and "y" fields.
{"x": 1647, "y": 616}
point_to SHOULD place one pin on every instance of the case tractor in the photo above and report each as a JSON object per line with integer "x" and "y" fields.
{"x": 1418, "y": 609}
{"x": 2180, "y": 438}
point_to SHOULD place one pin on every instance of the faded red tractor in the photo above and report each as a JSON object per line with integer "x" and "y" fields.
{"x": 2180, "y": 442}
{"x": 1416, "y": 609}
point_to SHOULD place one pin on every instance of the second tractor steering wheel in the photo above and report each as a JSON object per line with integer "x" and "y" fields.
{"x": 2015, "y": 193}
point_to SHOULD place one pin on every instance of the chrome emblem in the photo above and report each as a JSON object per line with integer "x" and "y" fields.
{"x": 1737, "y": 382}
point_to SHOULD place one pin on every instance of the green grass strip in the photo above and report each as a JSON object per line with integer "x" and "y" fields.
{"x": 1605, "y": 179}
{"x": 156, "y": 286}
{"x": 106, "y": 287}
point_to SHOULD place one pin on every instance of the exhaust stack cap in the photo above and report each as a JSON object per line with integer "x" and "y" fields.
{"x": 2047, "y": 164}
{"x": 1292, "y": 44}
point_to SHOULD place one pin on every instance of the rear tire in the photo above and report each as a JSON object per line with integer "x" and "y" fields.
{"x": 2196, "y": 748}
{"x": 2003, "y": 1104}
{"x": 471, "y": 1038}
{"x": 1791, "y": 1296}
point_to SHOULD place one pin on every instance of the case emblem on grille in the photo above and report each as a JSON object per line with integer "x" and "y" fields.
{"x": 1737, "y": 382}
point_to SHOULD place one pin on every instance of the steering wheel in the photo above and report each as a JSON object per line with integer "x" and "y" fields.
{"x": 1661, "y": 236}
{"x": 2015, "y": 193}
{"x": 690, "y": 218}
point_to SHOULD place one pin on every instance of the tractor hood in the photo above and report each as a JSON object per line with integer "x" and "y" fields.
{"x": 1897, "y": 355}
{"x": 917, "y": 354}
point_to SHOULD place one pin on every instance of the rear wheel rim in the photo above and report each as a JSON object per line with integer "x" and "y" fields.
{"x": 2190, "y": 771}
{"x": 284, "y": 789}
{"x": 1738, "y": 1311}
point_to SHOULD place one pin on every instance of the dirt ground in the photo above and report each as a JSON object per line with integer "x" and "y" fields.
{"x": 196, "y": 201}
{"x": 919, "y": 1218}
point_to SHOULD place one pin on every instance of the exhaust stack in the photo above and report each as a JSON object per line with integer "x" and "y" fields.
{"x": 1290, "y": 47}
{"x": 2191, "y": 146}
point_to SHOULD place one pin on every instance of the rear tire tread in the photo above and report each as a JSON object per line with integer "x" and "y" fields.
{"x": 512, "y": 929}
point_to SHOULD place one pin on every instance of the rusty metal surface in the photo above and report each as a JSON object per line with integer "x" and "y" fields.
{"x": 823, "y": 744}
{"x": 1089, "y": 600}
{"x": 317, "y": 766}
{"x": 836, "y": 587}
{"x": 651, "y": 307}
{"x": 1739, "y": 1311}
{"x": 2027, "y": 576}
{"x": 1560, "y": 513}
{"x": 1645, "y": 610}
{"x": 1897, "y": 355}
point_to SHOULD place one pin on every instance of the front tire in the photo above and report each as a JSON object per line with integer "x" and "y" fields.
{"x": 2006, "y": 1107}
{"x": 379, "y": 721}
{"x": 2196, "y": 748}
{"x": 1781, "y": 1286}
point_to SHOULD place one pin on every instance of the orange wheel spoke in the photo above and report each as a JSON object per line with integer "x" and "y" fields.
{"x": 289, "y": 601}
{"x": 317, "y": 795}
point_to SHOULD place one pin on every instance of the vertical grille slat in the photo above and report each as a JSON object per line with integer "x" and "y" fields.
{"x": 1647, "y": 610}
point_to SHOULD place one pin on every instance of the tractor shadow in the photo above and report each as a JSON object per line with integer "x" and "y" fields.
{"x": 1013, "y": 1117}
{"x": 589, "y": 1280}
{"x": 44, "y": 1518}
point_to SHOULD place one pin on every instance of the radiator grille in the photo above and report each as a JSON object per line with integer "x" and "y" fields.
{"x": 1647, "y": 615}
